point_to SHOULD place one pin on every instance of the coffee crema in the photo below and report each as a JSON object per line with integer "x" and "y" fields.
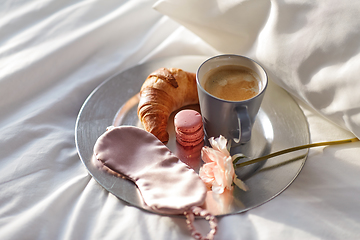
{"x": 232, "y": 83}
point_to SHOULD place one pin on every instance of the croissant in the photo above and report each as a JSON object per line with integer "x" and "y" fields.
{"x": 163, "y": 92}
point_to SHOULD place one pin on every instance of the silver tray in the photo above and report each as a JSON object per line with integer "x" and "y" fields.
{"x": 280, "y": 124}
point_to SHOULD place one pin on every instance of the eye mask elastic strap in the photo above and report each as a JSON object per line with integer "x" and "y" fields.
{"x": 190, "y": 217}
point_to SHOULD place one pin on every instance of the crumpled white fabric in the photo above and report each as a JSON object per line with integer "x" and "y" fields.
{"x": 53, "y": 54}
{"x": 310, "y": 48}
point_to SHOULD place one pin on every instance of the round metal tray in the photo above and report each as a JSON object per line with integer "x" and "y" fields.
{"x": 280, "y": 124}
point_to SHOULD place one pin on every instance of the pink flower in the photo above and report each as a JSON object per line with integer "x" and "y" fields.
{"x": 218, "y": 171}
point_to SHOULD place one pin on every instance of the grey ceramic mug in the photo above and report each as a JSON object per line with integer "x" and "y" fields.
{"x": 231, "y": 119}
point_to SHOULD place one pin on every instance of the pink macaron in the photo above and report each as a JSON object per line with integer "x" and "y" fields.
{"x": 189, "y": 128}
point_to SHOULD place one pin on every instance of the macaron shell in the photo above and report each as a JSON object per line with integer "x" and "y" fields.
{"x": 189, "y": 144}
{"x": 188, "y": 121}
{"x": 194, "y": 136}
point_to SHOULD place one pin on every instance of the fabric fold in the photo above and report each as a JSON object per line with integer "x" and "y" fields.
{"x": 311, "y": 49}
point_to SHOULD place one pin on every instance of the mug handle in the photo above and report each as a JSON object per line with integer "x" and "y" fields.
{"x": 244, "y": 125}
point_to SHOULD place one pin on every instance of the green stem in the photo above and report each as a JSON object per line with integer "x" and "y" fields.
{"x": 294, "y": 149}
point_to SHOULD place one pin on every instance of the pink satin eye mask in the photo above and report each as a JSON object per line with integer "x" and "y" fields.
{"x": 167, "y": 185}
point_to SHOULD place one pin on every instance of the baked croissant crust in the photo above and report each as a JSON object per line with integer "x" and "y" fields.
{"x": 164, "y": 91}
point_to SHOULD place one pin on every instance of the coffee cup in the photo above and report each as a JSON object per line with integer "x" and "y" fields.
{"x": 230, "y": 88}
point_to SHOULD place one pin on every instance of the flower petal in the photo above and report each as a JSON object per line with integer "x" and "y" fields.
{"x": 207, "y": 170}
{"x": 211, "y": 155}
{"x": 220, "y": 159}
{"x": 238, "y": 155}
{"x": 220, "y": 144}
{"x": 217, "y": 188}
{"x": 206, "y": 154}
{"x": 229, "y": 173}
{"x": 220, "y": 178}
{"x": 240, "y": 184}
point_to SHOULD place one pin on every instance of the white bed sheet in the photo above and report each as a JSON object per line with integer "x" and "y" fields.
{"x": 52, "y": 55}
